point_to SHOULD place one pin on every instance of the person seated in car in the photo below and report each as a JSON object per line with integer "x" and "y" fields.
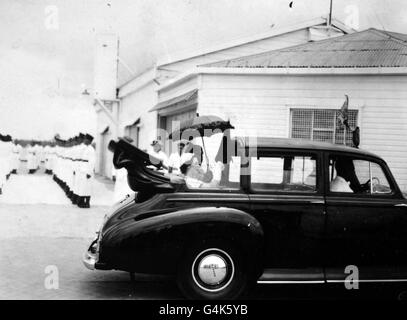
{"x": 195, "y": 175}
{"x": 175, "y": 159}
{"x": 340, "y": 184}
{"x": 345, "y": 180}
{"x": 159, "y": 155}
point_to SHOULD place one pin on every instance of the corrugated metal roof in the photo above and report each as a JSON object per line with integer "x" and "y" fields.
{"x": 369, "y": 48}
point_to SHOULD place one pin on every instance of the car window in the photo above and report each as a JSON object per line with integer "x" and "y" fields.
{"x": 283, "y": 173}
{"x": 218, "y": 176}
{"x": 379, "y": 179}
{"x": 348, "y": 175}
{"x": 267, "y": 170}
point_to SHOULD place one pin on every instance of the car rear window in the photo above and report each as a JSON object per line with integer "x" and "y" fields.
{"x": 283, "y": 173}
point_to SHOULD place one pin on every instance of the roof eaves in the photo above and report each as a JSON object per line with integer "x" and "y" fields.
{"x": 241, "y": 41}
{"x": 138, "y": 81}
{"x": 338, "y": 24}
{"x": 388, "y": 35}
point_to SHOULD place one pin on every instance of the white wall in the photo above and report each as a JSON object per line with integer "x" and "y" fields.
{"x": 259, "y": 105}
{"x": 137, "y": 105}
{"x": 180, "y": 88}
{"x": 139, "y": 96}
{"x": 102, "y": 122}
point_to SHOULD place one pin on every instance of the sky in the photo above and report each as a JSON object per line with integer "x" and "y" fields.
{"x": 47, "y": 46}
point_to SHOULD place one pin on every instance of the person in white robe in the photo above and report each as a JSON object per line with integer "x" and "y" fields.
{"x": 78, "y": 156}
{"x": 159, "y": 153}
{"x": 86, "y": 170}
{"x": 31, "y": 159}
{"x": 176, "y": 159}
{"x": 3, "y": 160}
{"x": 47, "y": 158}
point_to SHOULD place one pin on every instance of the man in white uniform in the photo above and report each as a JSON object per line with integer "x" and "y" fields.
{"x": 77, "y": 155}
{"x": 31, "y": 159}
{"x": 51, "y": 158}
{"x": 37, "y": 159}
{"x": 58, "y": 166}
{"x": 41, "y": 154}
{"x": 55, "y": 169}
{"x": 176, "y": 159}
{"x": 9, "y": 155}
{"x": 159, "y": 153}
{"x": 47, "y": 157}
{"x": 86, "y": 173}
{"x": 71, "y": 159}
{"x": 16, "y": 157}
{"x": 3, "y": 159}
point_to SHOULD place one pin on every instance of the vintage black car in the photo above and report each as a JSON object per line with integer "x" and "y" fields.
{"x": 284, "y": 211}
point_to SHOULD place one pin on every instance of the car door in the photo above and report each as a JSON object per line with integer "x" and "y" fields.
{"x": 367, "y": 227}
{"x": 286, "y": 196}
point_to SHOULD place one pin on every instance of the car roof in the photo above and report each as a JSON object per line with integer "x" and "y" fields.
{"x": 303, "y": 144}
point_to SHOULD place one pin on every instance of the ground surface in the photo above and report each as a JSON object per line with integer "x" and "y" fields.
{"x": 40, "y": 230}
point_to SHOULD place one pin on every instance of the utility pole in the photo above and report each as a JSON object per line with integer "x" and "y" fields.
{"x": 330, "y": 14}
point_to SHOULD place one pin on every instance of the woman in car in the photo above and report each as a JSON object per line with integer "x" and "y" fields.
{"x": 196, "y": 174}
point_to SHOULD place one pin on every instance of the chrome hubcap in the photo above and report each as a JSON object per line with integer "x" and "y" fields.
{"x": 213, "y": 270}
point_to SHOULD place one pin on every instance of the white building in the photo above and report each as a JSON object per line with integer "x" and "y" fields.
{"x": 134, "y": 114}
{"x": 297, "y": 91}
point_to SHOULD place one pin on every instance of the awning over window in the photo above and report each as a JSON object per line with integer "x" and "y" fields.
{"x": 180, "y": 102}
{"x": 104, "y": 130}
{"x": 132, "y": 123}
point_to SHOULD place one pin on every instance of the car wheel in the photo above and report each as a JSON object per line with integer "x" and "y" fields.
{"x": 213, "y": 270}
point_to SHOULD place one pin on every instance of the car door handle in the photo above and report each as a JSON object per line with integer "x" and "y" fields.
{"x": 401, "y": 205}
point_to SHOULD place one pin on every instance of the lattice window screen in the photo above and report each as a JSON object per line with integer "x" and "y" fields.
{"x": 321, "y": 125}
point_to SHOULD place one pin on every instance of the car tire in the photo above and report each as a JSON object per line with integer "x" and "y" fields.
{"x": 213, "y": 270}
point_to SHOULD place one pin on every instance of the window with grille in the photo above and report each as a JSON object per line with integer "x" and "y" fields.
{"x": 322, "y": 125}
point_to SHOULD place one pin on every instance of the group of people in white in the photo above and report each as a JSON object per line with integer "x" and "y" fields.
{"x": 72, "y": 165}
{"x": 36, "y": 155}
{"x": 9, "y": 159}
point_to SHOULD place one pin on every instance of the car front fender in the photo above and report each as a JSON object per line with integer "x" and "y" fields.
{"x": 154, "y": 244}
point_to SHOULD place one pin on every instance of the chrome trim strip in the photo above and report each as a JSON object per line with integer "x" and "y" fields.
{"x": 317, "y": 201}
{"x": 284, "y": 201}
{"x": 368, "y": 280}
{"x": 244, "y": 199}
{"x": 327, "y": 281}
{"x": 207, "y": 199}
{"x": 290, "y": 282}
